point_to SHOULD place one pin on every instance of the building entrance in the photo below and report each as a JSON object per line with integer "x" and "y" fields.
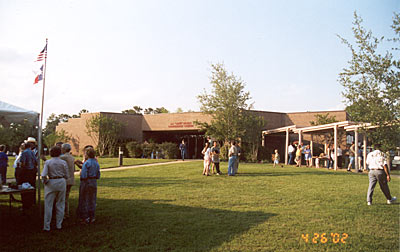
{"x": 194, "y": 140}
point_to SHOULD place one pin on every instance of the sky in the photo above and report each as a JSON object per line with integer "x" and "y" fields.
{"x": 112, "y": 55}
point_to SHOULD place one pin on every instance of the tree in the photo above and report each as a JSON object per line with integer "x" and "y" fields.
{"x": 15, "y": 133}
{"x": 179, "y": 110}
{"x": 161, "y": 110}
{"x": 228, "y": 104}
{"x": 148, "y": 111}
{"x": 80, "y": 113}
{"x": 151, "y": 111}
{"x": 321, "y": 119}
{"x": 371, "y": 85}
{"x": 136, "y": 110}
{"x": 105, "y": 132}
{"x": 52, "y": 121}
{"x": 252, "y": 138}
{"x": 58, "y": 136}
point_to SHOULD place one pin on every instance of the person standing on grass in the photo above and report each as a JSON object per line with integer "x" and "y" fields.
{"x": 232, "y": 154}
{"x": 90, "y": 173}
{"x": 67, "y": 157}
{"x": 29, "y": 164}
{"x": 182, "y": 148}
{"x": 215, "y": 157}
{"x": 207, "y": 158}
{"x": 307, "y": 156}
{"x": 298, "y": 155}
{"x": 352, "y": 152}
{"x": 330, "y": 157}
{"x": 54, "y": 175}
{"x": 3, "y": 164}
{"x": 276, "y": 158}
{"x": 379, "y": 172}
{"x": 360, "y": 159}
{"x": 17, "y": 164}
{"x": 291, "y": 152}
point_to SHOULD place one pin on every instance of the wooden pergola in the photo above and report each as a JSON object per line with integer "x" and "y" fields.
{"x": 344, "y": 125}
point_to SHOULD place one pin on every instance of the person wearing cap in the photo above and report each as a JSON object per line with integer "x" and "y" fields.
{"x": 67, "y": 157}
{"x": 28, "y": 171}
{"x": 32, "y": 142}
{"x": 379, "y": 172}
{"x": 54, "y": 175}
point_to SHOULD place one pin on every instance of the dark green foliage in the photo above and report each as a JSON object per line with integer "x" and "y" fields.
{"x": 136, "y": 110}
{"x": 169, "y": 150}
{"x": 15, "y": 133}
{"x": 135, "y": 149}
{"x": 52, "y": 121}
{"x": 105, "y": 131}
{"x": 321, "y": 119}
{"x": 53, "y": 138}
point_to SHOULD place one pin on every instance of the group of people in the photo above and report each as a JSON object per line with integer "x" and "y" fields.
{"x": 297, "y": 152}
{"x": 58, "y": 179}
{"x": 212, "y": 158}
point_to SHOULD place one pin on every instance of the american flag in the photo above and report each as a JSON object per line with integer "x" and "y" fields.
{"x": 42, "y": 54}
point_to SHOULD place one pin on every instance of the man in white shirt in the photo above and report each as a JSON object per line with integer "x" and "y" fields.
{"x": 378, "y": 173}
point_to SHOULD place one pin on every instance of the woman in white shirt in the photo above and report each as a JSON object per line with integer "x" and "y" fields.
{"x": 207, "y": 158}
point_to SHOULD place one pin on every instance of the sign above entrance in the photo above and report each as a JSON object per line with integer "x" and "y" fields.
{"x": 181, "y": 125}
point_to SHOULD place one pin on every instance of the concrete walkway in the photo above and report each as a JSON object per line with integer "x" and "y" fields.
{"x": 12, "y": 180}
{"x": 142, "y": 165}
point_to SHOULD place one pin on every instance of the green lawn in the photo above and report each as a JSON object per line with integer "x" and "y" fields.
{"x": 174, "y": 208}
{"x": 104, "y": 163}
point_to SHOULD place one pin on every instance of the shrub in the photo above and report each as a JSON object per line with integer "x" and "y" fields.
{"x": 169, "y": 150}
{"x": 135, "y": 149}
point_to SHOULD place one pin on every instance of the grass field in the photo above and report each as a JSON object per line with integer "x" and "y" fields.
{"x": 104, "y": 163}
{"x": 174, "y": 208}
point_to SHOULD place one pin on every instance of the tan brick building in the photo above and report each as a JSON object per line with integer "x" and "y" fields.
{"x": 173, "y": 127}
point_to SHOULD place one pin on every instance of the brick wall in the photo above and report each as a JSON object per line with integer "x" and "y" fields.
{"x": 302, "y": 119}
{"x": 134, "y": 125}
{"x": 76, "y": 128}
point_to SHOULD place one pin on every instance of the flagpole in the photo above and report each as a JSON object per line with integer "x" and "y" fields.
{"x": 40, "y": 128}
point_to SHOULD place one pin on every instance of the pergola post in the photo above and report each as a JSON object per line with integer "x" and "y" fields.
{"x": 300, "y": 137}
{"x": 335, "y": 133}
{"x": 356, "y": 148}
{"x": 365, "y": 151}
{"x": 286, "y": 146}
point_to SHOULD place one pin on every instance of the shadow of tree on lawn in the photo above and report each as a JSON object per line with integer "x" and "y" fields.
{"x": 135, "y": 225}
{"x": 130, "y": 224}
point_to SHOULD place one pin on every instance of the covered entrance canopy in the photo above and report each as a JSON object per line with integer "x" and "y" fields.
{"x": 347, "y": 126}
{"x": 13, "y": 114}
